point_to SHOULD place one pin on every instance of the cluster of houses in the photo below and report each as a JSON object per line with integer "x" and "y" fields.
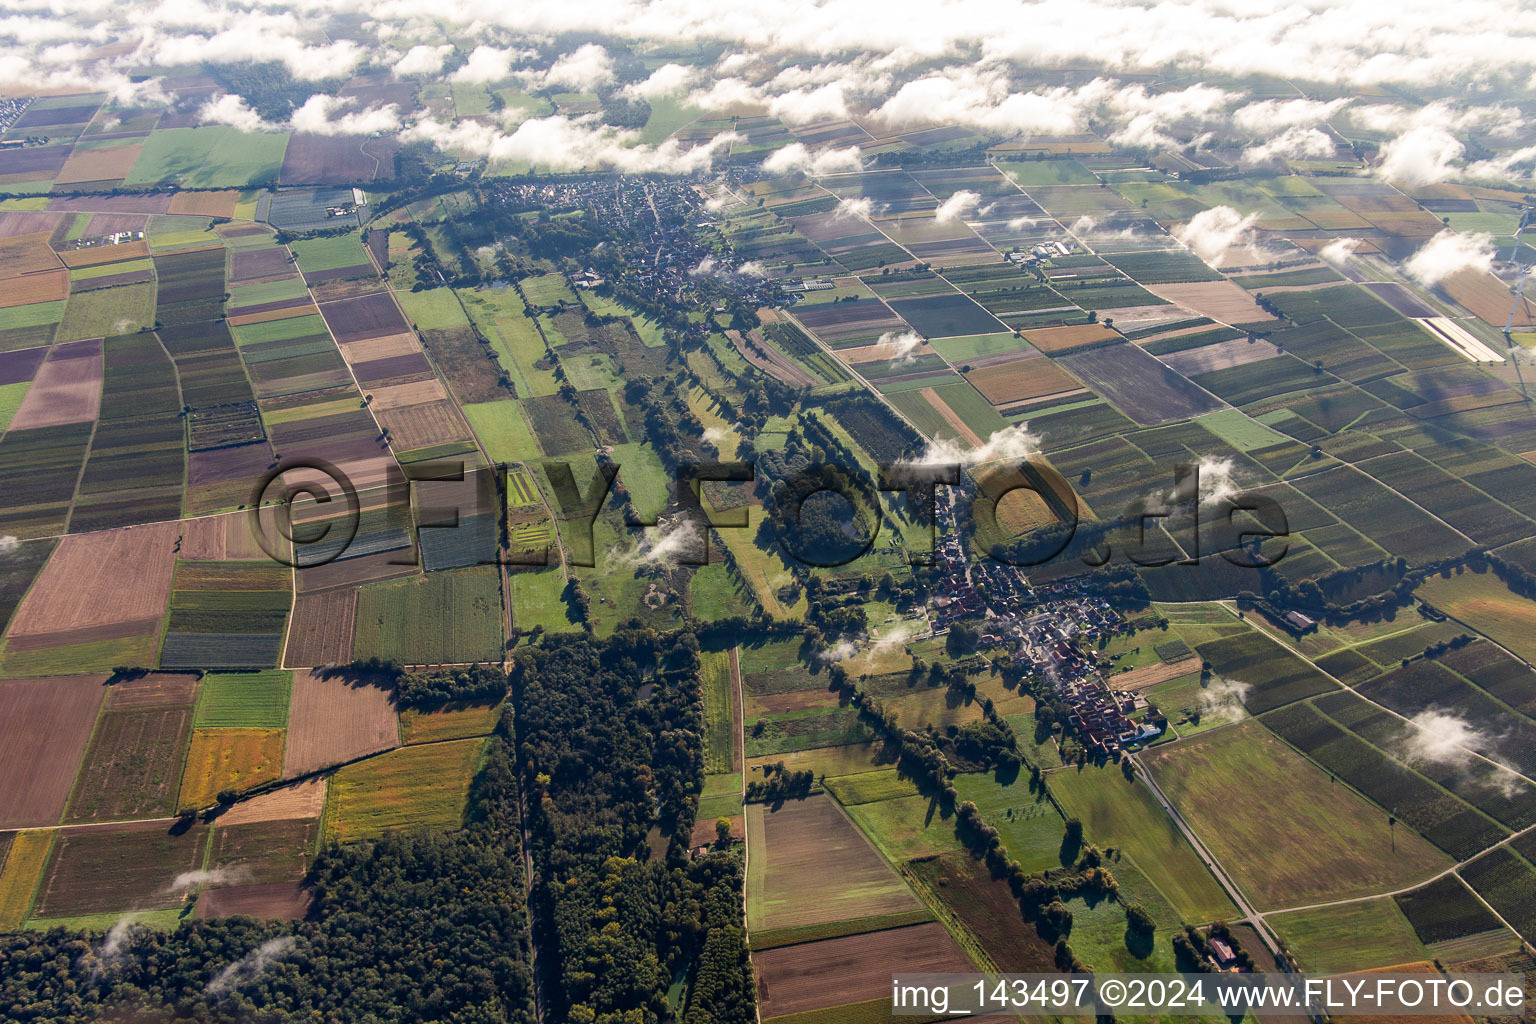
{"x": 1045, "y": 626}
{"x": 1039, "y": 253}
{"x": 660, "y": 215}
{"x": 10, "y": 112}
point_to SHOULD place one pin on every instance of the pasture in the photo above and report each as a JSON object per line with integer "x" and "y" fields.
{"x": 1353, "y": 937}
{"x": 421, "y": 787}
{"x": 1123, "y": 814}
{"x": 1285, "y": 832}
{"x": 1484, "y": 603}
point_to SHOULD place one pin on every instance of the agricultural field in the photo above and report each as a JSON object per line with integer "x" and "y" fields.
{"x": 1301, "y": 838}
{"x": 419, "y": 787}
{"x": 441, "y": 618}
{"x": 334, "y": 719}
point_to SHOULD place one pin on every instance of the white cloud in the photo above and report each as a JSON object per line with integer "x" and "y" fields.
{"x": 1210, "y": 233}
{"x": 562, "y": 144}
{"x": 853, "y": 209}
{"x": 956, "y": 207}
{"x": 1011, "y": 442}
{"x": 327, "y": 115}
{"x": 1292, "y": 144}
{"x": 664, "y": 544}
{"x": 9, "y": 545}
{"x": 1449, "y": 253}
{"x": 423, "y": 60}
{"x": 232, "y": 110}
{"x": 667, "y": 80}
{"x": 1339, "y": 250}
{"x": 796, "y": 157}
{"x": 487, "y": 64}
{"x": 248, "y": 967}
{"x": 1271, "y": 116}
{"x": 1420, "y": 155}
{"x": 900, "y": 347}
{"x": 584, "y": 69}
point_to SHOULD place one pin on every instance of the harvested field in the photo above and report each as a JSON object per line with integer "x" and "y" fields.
{"x": 422, "y": 787}
{"x": 286, "y": 901}
{"x": 398, "y": 396}
{"x": 852, "y": 969}
{"x": 98, "y": 871}
{"x": 788, "y": 886}
{"x": 80, "y": 594}
{"x": 228, "y": 759}
{"x": 156, "y": 690}
{"x": 67, "y": 388}
{"x": 220, "y": 539}
{"x": 365, "y": 316}
{"x": 25, "y": 254}
{"x": 45, "y": 725}
{"x": 45, "y": 286}
{"x": 25, "y": 860}
{"x": 335, "y": 720}
{"x": 376, "y": 349}
{"x": 133, "y": 766}
{"x": 98, "y": 164}
{"x": 1222, "y": 301}
{"x": 1151, "y": 675}
{"x": 321, "y": 629}
{"x": 304, "y": 799}
{"x": 99, "y": 254}
{"x": 1020, "y": 380}
{"x": 1053, "y": 340}
{"x": 424, "y": 425}
{"x": 204, "y": 204}
{"x": 264, "y": 852}
{"x": 1488, "y": 298}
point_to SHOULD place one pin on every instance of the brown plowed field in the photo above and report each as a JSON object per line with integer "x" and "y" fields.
{"x": 99, "y": 579}
{"x": 835, "y": 972}
{"x": 1021, "y": 379}
{"x": 133, "y": 766}
{"x": 281, "y": 313}
{"x": 287, "y": 901}
{"x": 335, "y": 720}
{"x": 301, "y": 800}
{"x": 320, "y": 632}
{"x": 156, "y": 690}
{"x": 123, "y": 868}
{"x": 951, "y": 417}
{"x": 364, "y": 316}
{"x": 67, "y": 388}
{"x": 45, "y": 725}
{"x": 1219, "y": 300}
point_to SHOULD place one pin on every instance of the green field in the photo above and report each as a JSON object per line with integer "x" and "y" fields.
{"x": 870, "y": 787}
{"x": 331, "y": 253}
{"x": 546, "y": 290}
{"x": 1352, "y": 937}
{"x": 420, "y": 787}
{"x": 1124, "y": 814}
{"x": 1285, "y": 831}
{"x": 10, "y": 400}
{"x": 108, "y": 311}
{"x": 958, "y": 350}
{"x": 537, "y": 601}
{"x": 212, "y": 156}
{"x": 1240, "y": 431}
{"x": 33, "y": 314}
{"x": 1032, "y": 831}
{"x": 719, "y": 724}
{"x": 244, "y": 700}
{"x": 500, "y": 426}
{"x": 1484, "y": 603}
{"x": 1047, "y": 172}
{"x": 433, "y": 310}
{"x": 908, "y": 827}
{"x": 441, "y": 618}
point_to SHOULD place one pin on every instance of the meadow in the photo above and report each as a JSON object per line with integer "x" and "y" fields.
{"x": 420, "y": 787}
